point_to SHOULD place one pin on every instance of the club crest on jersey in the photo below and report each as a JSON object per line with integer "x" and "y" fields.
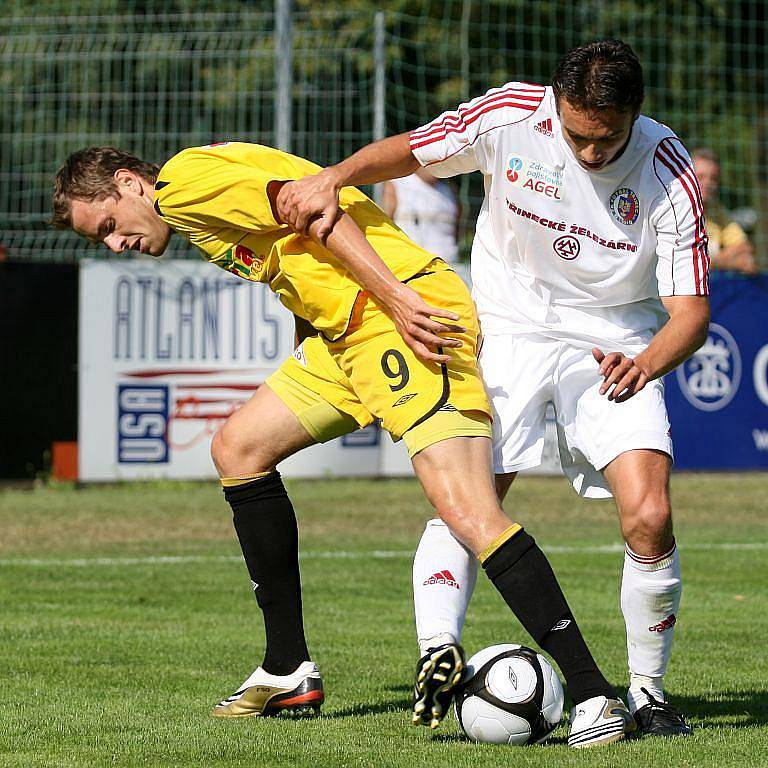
{"x": 625, "y": 206}
{"x": 567, "y": 247}
{"x": 241, "y": 261}
{"x": 534, "y": 176}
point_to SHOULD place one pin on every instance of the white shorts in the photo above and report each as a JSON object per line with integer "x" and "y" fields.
{"x": 524, "y": 374}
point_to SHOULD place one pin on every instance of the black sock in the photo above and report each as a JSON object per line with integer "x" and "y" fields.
{"x": 266, "y": 527}
{"x": 524, "y": 577}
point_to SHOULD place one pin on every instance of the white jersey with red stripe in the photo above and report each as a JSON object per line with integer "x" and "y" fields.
{"x": 576, "y": 255}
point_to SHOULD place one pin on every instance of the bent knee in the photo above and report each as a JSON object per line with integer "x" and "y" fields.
{"x": 458, "y": 517}
{"x": 234, "y": 455}
{"x": 648, "y": 525}
{"x": 221, "y": 451}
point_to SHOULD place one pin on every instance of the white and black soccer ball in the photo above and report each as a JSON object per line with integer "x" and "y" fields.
{"x": 509, "y": 695}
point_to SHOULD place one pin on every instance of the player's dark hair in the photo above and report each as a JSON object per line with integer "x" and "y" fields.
{"x": 604, "y": 74}
{"x": 89, "y": 174}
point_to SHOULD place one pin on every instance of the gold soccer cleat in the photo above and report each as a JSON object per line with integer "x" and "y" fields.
{"x": 298, "y": 694}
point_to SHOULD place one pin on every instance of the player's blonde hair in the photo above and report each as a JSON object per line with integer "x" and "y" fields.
{"x": 89, "y": 174}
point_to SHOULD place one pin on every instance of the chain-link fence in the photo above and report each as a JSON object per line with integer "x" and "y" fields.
{"x": 153, "y": 77}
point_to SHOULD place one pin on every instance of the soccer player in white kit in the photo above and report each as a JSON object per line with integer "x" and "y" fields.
{"x": 590, "y": 274}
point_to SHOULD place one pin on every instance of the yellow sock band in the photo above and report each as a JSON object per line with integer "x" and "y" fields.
{"x": 502, "y": 538}
{"x": 232, "y": 482}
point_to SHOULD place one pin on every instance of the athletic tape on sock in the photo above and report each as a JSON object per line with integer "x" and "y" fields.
{"x": 501, "y": 539}
{"x": 233, "y": 482}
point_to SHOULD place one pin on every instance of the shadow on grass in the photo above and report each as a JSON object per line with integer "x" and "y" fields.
{"x": 362, "y": 709}
{"x": 454, "y": 738}
{"x": 737, "y": 709}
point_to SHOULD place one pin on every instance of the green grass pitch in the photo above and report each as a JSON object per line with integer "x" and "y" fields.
{"x": 127, "y": 614}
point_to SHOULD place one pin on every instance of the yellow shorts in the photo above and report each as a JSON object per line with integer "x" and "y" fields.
{"x": 370, "y": 373}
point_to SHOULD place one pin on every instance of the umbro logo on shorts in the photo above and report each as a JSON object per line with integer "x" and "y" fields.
{"x": 404, "y": 399}
{"x": 562, "y": 624}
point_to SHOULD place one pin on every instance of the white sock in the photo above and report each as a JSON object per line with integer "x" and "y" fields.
{"x": 650, "y": 600}
{"x": 444, "y": 576}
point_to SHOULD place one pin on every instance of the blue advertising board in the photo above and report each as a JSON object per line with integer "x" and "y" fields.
{"x": 718, "y": 399}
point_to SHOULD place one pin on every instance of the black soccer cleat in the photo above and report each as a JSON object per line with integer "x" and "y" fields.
{"x": 660, "y": 718}
{"x": 438, "y": 674}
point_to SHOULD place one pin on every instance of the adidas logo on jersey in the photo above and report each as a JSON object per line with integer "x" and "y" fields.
{"x": 545, "y": 128}
{"x": 442, "y": 577}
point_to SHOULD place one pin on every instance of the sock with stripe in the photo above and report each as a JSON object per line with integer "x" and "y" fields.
{"x": 523, "y": 576}
{"x": 444, "y": 576}
{"x": 650, "y": 600}
{"x": 266, "y": 527}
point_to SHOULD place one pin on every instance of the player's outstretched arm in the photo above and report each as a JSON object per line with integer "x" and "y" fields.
{"x": 681, "y": 336}
{"x": 316, "y": 196}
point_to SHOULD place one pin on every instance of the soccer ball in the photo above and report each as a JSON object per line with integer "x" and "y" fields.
{"x": 510, "y": 695}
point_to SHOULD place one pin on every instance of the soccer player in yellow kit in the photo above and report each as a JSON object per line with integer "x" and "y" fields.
{"x": 371, "y": 296}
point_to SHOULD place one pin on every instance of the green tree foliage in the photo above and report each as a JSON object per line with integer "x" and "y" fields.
{"x": 154, "y": 75}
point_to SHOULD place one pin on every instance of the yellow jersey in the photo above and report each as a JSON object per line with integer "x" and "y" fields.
{"x": 216, "y": 196}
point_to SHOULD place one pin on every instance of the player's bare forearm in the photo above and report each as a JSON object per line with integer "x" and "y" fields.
{"x": 681, "y": 336}
{"x": 317, "y": 196}
{"x": 383, "y": 160}
{"x": 412, "y": 316}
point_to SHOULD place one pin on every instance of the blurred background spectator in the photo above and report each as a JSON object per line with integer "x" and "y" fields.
{"x": 427, "y": 209}
{"x": 729, "y": 246}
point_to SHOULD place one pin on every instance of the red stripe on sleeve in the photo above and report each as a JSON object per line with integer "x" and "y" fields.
{"x": 691, "y": 176}
{"x": 536, "y": 94}
{"x": 441, "y": 135}
{"x": 455, "y": 122}
{"x": 681, "y": 171}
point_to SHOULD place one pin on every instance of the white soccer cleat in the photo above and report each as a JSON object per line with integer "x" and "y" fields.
{"x": 599, "y": 720}
{"x": 300, "y": 693}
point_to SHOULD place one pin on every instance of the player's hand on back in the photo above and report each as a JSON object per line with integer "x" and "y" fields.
{"x": 414, "y": 320}
{"x": 622, "y": 377}
{"x": 302, "y": 201}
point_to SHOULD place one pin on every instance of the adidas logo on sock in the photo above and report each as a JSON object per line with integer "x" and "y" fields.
{"x": 442, "y": 577}
{"x": 545, "y": 128}
{"x": 664, "y": 625}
